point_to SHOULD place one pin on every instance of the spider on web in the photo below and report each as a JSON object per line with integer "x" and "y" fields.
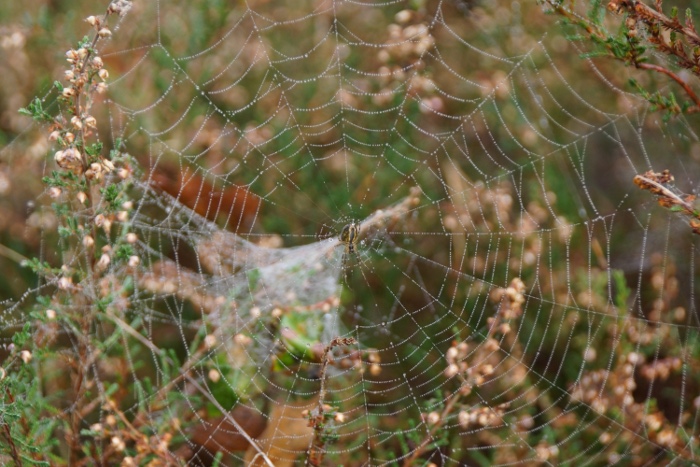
{"x": 349, "y": 236}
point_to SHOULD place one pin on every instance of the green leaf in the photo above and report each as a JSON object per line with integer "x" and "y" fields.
{"x": 35, "y": 109}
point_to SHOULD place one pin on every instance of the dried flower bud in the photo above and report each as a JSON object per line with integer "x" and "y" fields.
{"x": 82, "y": 197}
{"x": 134, "y": 261}
{"x": 69, "y": 75}
{"x": 123, "y": 173}
{"x": 451, "y": 354}
{"x": 65, "y": 283}
{"x": 375, "y": 369}
{"x": 110, "y": 420}
{"x": 451, "y": 370}
{"x": 103, "y": 74}
{"x": 103, "y": 262}
{"x": 463, "y": 418}
{"x": 92, "y": 20}
{"x": 107, "y": 226}
{"x": 635, "y": 358}
{"x": 433, "y": 418}
{"x": 69, "y": 137}
{"x": 108, "y": 165}
{"x": 131, "y": 237}
{"x": 104, "y": 32}
{"x": 88, "y": 241}
{"x": 403, "y": 16}
{"x": 123, "y": 216}
{"x": 82, "y": 53}
{"x": 51, "y": 314}
{"x": 340, "y": 417}
{"x": 210, "y": 341}
{"x": 68, "y": 92}
{"x": 97, "y": 62}
{"x": 214, "y": 375}
{"x": 99, "y": 220}
{"x": 69, "y": 159}
{"x": 26, "y": 356}
{"x": 101, "y": 88}
{"x": 90, "y": 121}
{"x": 255, "y": 312}
{"x": 242, "y": 339}
{"x": 118, "y": 444}
{"x": 77, "y": 124}
{"x": 54, "y": 192}
{"x": 54, "y": 135}
{"x": 128, "y": 205}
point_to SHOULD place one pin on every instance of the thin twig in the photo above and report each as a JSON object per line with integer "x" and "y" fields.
{"x": 666, "y": 192}
{"x": 694, "y": 97}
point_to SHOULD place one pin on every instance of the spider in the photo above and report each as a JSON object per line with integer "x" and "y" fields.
{"x": 349, "y": 236}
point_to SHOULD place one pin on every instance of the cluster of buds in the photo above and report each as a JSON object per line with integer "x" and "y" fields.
{"x": 84, "y": 67}
{"x": 409, "y": 39}
{"x": 482, "y": 416}
{"x": 120, "y": 7}
{"x": 660, "y": 369}
{"x": 406, "y": 41}
{"x": 70, "y": 159}
{"x": 471, "y": 375}
{"x": 97, "y": 170}
{"x": 510, "y": 299}
{"x": 603, "y": 390}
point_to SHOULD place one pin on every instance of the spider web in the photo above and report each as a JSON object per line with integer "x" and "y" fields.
{"x": 512, "y": 298}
